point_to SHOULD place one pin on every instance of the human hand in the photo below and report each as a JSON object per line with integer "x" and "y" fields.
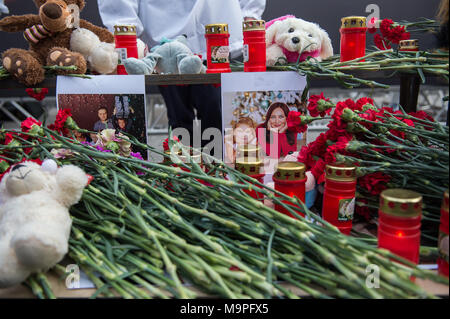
{"x": 283, "y": 128}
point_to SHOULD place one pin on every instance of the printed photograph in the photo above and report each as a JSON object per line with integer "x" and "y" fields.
{"x": 124, "y": 113}
{"x": 259, "y": 118}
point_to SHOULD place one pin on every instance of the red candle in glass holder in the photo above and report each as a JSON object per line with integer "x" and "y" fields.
{"x": 248, "y": 163}
{"x": 254, "y": 45}
{"x": 399, "y": 218}
{"x": 353, "y": 38}
{"x": 126, "y": 45}
{"x": 217, "y": 48}
{"x": 290, "y": 179}
{"x": 339, "y": 196}
{"x": 443, "y": 238}
{"x": 411, "y": 45}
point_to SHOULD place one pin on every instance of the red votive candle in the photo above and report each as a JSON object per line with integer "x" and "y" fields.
{"x": 254, "y": 45}
{"x": 411, "y": 45}
{"x": 290, "y": 179}
{"x": 126, "y": 45}
{"x": 353, "y": 38}
{"x": 443, "y": 238}
{"x": 339, "y": 196}
{"x": 399, "y": 218}
{"x": 251, "y": 166}
{"x": 217, "y": 48}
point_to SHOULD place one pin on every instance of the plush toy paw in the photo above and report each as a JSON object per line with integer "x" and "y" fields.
{"x": 23, "y": 66}
{"x": 39, "y": 248}
{"x": 64, "y": 57}
{"x": 145, "y": 66}
{"x": 104, "y": 58}
{"x": 190, "y": 65}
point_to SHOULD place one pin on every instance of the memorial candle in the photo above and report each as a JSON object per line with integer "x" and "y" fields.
{"x": 353, "y": 38}
{"x": 126, "y": 45}
{"x": 443, "y": 238}
{"x": 399, "y": 219}
{"x": 254, "y": 46}
{"x": 339, "y": 196}
{"x": 217, "y": 48}
{"x": 290, "y": 179}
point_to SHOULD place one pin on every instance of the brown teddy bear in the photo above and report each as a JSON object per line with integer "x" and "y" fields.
{"x": 49, "y": 34}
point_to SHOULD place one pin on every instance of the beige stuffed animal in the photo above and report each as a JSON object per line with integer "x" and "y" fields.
{"x": 34, "y": 217}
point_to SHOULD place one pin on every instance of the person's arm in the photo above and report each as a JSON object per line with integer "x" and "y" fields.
{"x": 121, "y": 12}
{"x": 252, "y": 8}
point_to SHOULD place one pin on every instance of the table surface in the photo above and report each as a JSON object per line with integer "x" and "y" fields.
{"x": 60, "y": 291}
{"x": 215, "y": 78}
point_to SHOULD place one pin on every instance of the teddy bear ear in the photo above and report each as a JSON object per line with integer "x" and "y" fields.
{"x": 39, "y": 3}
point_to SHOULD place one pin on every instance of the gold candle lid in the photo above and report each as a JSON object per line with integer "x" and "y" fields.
{"x": 254, "y": 25}
{"x": 125, "y": 30}
{"x": 401, "y": 202}
{"x": 411, "y": 44}
{"x": 248, "y": 167}
{"x": 290, "y": 171}
{"x": 341, "y": 173}
{"x": 249, "y": 150}
{"x": 445, "y": 202}
{"x": 218, "y": 28}
{"x": 353, "y": 22}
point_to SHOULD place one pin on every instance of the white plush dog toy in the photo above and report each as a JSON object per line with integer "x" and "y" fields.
{"x": 34, "y": 217}
{"x": 289, "y": 39}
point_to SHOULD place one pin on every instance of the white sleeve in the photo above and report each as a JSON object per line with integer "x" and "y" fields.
{"x": 117, "y": 12}
{"x": 252, "y": 8}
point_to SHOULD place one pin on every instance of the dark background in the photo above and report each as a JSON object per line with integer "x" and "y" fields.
{"x": 327, "y": 13}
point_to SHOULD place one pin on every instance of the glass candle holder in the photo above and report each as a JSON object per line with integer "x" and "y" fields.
{"x": 252, "y": 168}
{"x": 290, "y": 179}
{"x": 443, "y": 238}
{"x": 339, "y": 196}
{"x": 254, "y": 45}
{"x": 353, "y": 38}
{"x": 411, "y": 45}
{"x": 399, "y": 220}
{"x": 217, "y": 48}
{"x": 126, "y": 45}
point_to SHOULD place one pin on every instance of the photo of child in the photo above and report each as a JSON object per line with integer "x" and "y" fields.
{"x": 242, "y": 134}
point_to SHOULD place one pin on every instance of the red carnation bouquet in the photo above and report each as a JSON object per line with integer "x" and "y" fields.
{"x": 392, "y": 149}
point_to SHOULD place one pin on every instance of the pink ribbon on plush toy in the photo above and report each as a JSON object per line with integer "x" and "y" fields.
{"x": 292, "y": 56}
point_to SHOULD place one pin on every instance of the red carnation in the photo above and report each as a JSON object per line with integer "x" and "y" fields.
{"x": 166, "y": 143}
{"x": 380, "y": 43}
{"x": 37, "y": 93}
{"x": 64, "y": 122}
{"x": 294, "y": 122}
{"x": 385, "y": 27}
{"x": 362, "y": 102}
{"x": 318, "y": 171}
{"x": 318, "y": 110}
{"x": 27, "y": 125}
{"x": 374, "y": 183}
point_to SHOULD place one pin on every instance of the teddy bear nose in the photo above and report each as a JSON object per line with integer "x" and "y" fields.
{"x": 17, "y": 167}
{"x": 52, "y": 10}
{"x": 295, "y": 40}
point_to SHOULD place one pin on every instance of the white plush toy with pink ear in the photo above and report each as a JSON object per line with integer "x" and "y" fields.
{"x": 290, "y": 39}
{"x": 34, "y": 217}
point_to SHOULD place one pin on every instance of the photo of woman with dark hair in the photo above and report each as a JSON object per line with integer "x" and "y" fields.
{"x": 273, "y": 135}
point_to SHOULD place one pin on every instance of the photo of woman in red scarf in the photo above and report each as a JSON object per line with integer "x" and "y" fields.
{"x": 273, "y": 135}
